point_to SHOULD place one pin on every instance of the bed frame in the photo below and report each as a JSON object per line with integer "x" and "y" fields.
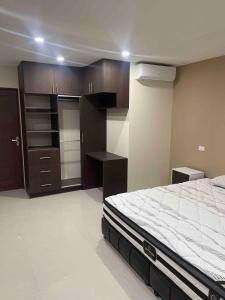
{"x": 162, "y": 285}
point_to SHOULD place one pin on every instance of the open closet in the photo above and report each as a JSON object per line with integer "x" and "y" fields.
{"x": 69, "y": 137}
{"x": 64, "y": 111}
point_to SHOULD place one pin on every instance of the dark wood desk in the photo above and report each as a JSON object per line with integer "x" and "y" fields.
{"x": 110, "y": 171}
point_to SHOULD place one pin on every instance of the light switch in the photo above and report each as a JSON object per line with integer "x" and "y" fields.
{"x": 201, "y": 148}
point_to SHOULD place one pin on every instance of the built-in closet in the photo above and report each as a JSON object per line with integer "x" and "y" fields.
{"x": 63, "y": 112}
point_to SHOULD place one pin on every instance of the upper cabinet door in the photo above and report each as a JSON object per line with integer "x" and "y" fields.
{"x": 116, "y": 78}
{"x": 88, "y": 76}
{"x": 67, "y": 81}
{"x": 36, "y": 78}
{"x": 112, "y": 77}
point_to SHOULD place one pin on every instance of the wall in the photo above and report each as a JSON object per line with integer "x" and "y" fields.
{"x": 118, "y": 131}
{"x": 149, "y": 133}
{"x": 199, "y": 117}
{"x": 8, "y": 76}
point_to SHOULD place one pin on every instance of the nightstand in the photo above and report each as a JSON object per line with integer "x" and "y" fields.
{"x": 183, "y": 174}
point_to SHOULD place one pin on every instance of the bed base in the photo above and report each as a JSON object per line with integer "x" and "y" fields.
{"x": 152, "y": 276}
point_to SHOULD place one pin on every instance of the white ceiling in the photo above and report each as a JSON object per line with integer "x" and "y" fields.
{"x": 163, "y": 31}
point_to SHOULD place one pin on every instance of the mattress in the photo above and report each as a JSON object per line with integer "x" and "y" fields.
{"x": 181, "y": 229}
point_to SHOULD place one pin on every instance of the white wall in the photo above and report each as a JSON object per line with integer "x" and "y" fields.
{"x": 149, "y": 133}
{"x": 8, "y": 77}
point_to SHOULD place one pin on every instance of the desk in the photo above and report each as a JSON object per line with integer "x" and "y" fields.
{"x": 110, "y": 172}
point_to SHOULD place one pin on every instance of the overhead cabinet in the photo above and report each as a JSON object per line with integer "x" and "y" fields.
{"x": 37, "y": 78}
{"x": 109, "y": 79}
{"x": 67, "y": 80}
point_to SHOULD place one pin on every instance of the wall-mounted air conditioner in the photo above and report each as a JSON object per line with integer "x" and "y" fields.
{"x": 155, "y": 72}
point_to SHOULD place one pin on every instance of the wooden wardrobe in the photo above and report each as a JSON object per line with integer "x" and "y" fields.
{"x": 47, "y": 93}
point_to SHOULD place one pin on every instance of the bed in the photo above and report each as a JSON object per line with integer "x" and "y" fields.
{"x": 173, "y": 237}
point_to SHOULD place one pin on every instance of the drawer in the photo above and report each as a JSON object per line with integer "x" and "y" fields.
{"x": 44, "y": 172}
{"x": 43, "y": 186}
{"x": 178, "y": 177}
{"x": 39, "y": 159}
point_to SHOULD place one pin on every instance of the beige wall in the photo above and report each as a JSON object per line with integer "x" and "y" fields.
{"x": 118, "y": 131}
{"x": 149, "y": 133}
{"x": 199, "y": 117}
{"x": 8, "y": 77}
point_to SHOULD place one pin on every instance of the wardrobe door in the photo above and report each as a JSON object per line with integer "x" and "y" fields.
{"x": 37, "y": 78}
{"x": 67, "y": 80}
{"x": 87, "y": 79}
{"x": 93, "y": 138}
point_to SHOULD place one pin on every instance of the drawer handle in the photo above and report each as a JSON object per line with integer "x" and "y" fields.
{"x": 45, "y": 171}
{"x": 47, "y": 184}
{"x": 45, "y": 157}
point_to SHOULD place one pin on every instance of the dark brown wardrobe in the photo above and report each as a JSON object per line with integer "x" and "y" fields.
{"x": 64, "y": 118}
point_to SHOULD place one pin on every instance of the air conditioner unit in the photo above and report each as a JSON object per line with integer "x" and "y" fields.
{"x": 155, "y": 72}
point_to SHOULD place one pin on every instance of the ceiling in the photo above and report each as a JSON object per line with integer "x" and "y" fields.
{"x": 172, "y": 32}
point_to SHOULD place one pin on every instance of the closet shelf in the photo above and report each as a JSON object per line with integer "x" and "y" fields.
{"x": 42, "y": 131}
{"x": 42, "y": 110}
{"x": 42, "y": 147}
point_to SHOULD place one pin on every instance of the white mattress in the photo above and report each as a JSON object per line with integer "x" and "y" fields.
{"x": 188, "y": 218}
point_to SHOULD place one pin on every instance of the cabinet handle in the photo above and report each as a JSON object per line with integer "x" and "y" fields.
{"x": 45, "y": 171}
{"x": 92, "y": 90}
{"x": 45, "y": 157}
{"x": 46, "y": 184}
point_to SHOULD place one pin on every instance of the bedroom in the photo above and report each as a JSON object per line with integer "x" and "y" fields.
{"x": 79, "y": 124}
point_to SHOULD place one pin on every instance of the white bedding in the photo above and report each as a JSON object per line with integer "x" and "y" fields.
{"x": 189, "y": 218}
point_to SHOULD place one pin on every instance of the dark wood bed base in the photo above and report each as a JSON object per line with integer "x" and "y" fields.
{"x": 153, "y": 277}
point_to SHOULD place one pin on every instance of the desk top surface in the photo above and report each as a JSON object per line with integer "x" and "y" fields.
{"x": 104, "y": 156}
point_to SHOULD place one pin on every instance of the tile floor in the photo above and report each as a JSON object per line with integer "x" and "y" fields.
{"x": 51, "y": 248}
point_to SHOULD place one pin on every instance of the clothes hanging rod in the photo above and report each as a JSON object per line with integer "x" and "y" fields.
{"x": 68, "y": 97}
{"x": 69, "y": 141}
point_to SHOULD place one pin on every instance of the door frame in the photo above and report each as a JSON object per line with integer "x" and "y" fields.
{"x": 19, "y": 120}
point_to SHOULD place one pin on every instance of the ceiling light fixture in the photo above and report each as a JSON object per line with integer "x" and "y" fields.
{"x": 125, "y": 53}
{"x": 39, "y": 39}
{"x": 60, "y": 58}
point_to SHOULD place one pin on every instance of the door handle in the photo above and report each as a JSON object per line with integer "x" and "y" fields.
{"x": 16, "y": 140}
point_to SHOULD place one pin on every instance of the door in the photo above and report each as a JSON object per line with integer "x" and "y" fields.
{"x": 67, "y": 80}
{"x": 11, "y": 174}
{"x": 37, "y": 78}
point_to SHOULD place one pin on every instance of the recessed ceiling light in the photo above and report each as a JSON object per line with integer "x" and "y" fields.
{"x": 60, "y": 58}
{"x": 125, "y": 53}
{"x": 39, "y": 39}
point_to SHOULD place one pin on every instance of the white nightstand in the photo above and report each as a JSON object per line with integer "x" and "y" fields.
{"x": 183, "y": 174}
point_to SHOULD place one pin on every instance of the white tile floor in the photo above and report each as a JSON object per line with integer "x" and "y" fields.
{"x": 51, "y": 248}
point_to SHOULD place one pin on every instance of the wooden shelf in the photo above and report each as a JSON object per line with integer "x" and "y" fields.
{"x": 42, "y": 147}
{"x": 41, "y": 110}
{"x": 43, "y": 131}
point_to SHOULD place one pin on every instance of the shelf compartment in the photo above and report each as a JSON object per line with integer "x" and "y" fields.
{"x": 41, "y": 110}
